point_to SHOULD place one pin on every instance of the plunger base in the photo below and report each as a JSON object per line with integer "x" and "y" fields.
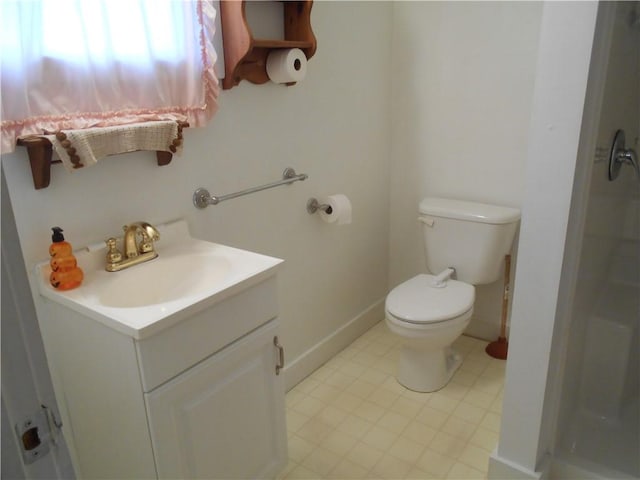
{"x": 498, "y": 349}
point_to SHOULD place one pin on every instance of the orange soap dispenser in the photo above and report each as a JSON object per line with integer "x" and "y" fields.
{"x": 65, "y": 273}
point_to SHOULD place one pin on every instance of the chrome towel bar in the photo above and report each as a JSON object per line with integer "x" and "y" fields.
{"x": 202, "y": 198}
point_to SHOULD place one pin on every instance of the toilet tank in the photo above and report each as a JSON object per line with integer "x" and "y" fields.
{"x": 471, "y": 237}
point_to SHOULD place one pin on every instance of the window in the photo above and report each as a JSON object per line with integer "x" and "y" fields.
{"x": 84, "y": 63}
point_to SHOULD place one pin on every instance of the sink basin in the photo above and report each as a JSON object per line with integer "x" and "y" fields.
{"x": 163, "y": 281}
{"x": 188, "y": 275}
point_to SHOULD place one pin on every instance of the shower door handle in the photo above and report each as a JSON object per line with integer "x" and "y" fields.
{"x": 620, "y": 155}
{"x": 628, "y": 157}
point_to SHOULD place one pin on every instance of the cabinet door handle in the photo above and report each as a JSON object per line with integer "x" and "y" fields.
{"x": 280, "y": 364}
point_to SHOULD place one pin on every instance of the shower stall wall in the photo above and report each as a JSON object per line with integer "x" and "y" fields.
{"x": 598, "y": 425}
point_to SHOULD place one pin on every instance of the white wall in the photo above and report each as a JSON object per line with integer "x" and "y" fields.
{"x": 462, "y": 86}
{"x": 334, "y": 126}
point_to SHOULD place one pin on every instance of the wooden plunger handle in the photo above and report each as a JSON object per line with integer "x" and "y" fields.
{"x": 505, "y": 296}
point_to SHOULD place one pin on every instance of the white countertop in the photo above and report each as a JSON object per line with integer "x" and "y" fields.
{"x": 218, "y": 272}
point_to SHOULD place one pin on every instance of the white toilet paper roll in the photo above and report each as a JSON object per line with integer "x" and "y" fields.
{"x": 340, "y": 212}
{"x": 286, "y": 65}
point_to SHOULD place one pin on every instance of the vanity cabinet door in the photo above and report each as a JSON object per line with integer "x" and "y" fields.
{"x": 225, "y": 417}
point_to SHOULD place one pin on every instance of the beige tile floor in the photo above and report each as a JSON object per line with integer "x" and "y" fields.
{"x": 351, "y": 419}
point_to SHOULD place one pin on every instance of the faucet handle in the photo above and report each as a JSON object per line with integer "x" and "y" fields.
{"x": 113, "y": 254}
{"x": 146, "y": 245}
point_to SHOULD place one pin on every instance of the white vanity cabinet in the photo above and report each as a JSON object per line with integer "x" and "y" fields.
{"x": 197, "y": 398}
{"x": 223, "y": 418}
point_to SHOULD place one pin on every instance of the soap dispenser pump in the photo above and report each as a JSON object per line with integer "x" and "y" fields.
{"x": 65, "y": 273}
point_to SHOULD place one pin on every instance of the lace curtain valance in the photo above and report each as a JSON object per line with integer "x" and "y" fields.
{"x": 71, "y": 64}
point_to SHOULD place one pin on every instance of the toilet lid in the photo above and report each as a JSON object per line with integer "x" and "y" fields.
{"x": 416, "y": 301}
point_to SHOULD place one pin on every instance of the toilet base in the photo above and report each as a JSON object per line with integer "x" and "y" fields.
{"x": 427, "y": 371}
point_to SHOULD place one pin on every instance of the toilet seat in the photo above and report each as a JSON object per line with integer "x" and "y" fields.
{"x": 416, "y": 301}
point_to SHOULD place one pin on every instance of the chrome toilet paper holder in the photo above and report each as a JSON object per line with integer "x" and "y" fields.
{"x": 313, "y": 206}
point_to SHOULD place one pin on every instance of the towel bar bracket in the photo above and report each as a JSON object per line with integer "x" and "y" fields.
{"x": 313, "y": 206}
{"x": 202, "y": 198}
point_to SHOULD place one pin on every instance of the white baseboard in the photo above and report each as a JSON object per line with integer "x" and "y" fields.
{"x": 328, "y": 347}
{"x": 503, "y": 469}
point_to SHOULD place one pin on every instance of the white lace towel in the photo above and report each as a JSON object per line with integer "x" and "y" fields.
{"x": 83, "y": 148}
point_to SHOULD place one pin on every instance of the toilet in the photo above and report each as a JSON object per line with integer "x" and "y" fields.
{"x": 465, "y": 245}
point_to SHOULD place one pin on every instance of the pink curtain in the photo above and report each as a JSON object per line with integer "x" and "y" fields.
{"x": 70, "y": 64}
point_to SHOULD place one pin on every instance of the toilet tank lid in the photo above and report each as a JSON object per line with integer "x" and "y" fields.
{"x": 469, "y": 211}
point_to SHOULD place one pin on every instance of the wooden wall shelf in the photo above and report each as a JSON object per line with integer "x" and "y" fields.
{"x": 245, "y": 58}
{"x": 40, "y": 153}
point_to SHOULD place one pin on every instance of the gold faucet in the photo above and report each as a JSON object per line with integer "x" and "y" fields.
{"x": 134, "y": 252}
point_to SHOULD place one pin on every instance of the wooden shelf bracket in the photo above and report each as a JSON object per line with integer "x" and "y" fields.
{"x": 40, "y": 152}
